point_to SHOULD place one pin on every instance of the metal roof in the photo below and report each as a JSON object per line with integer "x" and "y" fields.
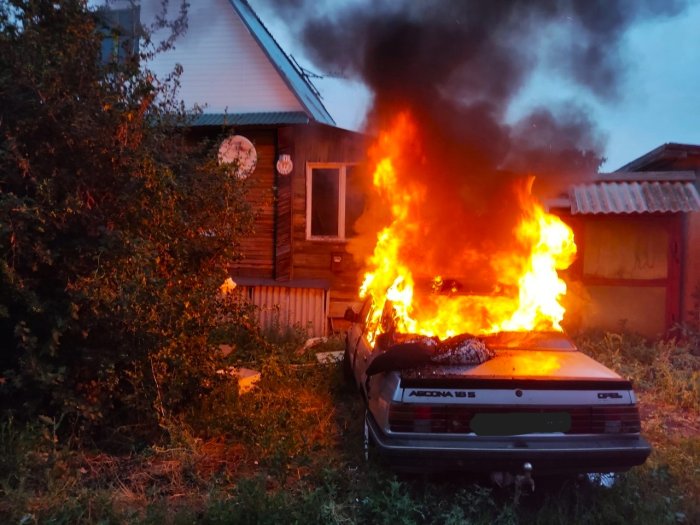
{"x": 634, "y": 197}
{"x": 655, "y": 176}
{"x": 250, "y": 119}
{"x": 300, "y": 86}
{"x": 670, "y": 155}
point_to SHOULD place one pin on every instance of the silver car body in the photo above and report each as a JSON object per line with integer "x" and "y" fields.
{"x": 538, "y": 401}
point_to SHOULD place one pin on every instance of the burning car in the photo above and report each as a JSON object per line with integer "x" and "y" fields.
{"x": 506, "y": 402}
{"x": 475, "y": 372}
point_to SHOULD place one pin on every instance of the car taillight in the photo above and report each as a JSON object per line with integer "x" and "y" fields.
{"x": 410, "y": 418}
{"x": 422, "y": 412}
{"x": 422, "y": 418}
{"x": 610, "y": 419}
{"x": 615, "y": 419}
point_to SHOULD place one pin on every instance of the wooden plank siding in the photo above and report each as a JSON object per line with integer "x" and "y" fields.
{"x": 259, "y": 248}
{"x": 313, "y": 259}
{"x": 690, "y": 288}
{"x": 283, "y": 213}
{"x": 626, "y": 273}
{"x": 278, "y": 250}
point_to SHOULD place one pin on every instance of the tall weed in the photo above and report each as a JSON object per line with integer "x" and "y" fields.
{"x": 667, "y": 369}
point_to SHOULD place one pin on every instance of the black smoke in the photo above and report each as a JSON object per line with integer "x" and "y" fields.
{"x": 457, "y": 66}
{"x": 460, "y": 63}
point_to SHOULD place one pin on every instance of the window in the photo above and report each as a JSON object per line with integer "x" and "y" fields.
{"x": 120, "y": 28}
{"x": 334, "y": 200}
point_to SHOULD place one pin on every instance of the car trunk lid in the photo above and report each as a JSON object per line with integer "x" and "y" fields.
{"x": 514, "y": 368}
{"x": 509, "y": 394}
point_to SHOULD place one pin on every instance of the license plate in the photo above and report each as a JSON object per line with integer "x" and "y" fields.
{"x": 516, "y": 423}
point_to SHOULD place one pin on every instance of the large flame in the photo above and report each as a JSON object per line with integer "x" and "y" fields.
{"x": 528, "y": 289}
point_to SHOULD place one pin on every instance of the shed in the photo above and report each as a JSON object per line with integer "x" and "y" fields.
{"x": 638, "y": 234}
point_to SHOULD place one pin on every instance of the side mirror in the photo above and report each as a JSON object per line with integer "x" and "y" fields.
{"x": 351, "y": 315}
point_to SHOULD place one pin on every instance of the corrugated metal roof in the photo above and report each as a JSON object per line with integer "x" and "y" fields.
{"x": 634, "y": 197}
{"x": 250, "y": 119}
{"x": 299, "y": 85}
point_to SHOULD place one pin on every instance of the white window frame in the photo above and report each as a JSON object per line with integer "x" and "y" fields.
{"x": 342, "y": 184}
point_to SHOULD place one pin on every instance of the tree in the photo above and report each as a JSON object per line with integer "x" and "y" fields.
{"x": 115, "y": 229}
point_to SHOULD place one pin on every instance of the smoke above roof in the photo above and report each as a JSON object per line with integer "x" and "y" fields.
{"x": 457, "y": 67}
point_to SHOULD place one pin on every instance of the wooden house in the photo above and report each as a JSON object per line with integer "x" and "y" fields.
{"x": 638, "y": 236}
{"x": 295, "y": 266}
{"x": 637, "y": 229}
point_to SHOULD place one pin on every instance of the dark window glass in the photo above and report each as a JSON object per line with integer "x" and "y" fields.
{"x": 324, "y": 201}
{"x": 120, "y": 28}
{"x": 354, "y": 199}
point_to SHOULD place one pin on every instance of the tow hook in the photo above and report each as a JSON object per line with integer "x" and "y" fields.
{"x": 524, "y": 480}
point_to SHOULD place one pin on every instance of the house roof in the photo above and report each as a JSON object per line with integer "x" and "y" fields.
{"x": 306, "y": 94}
{"x": 634, "y": 197}
{"x": 633, "y": 192}
{"x": 636, "y": 192}
{"x": 270, "y": 118}
{"x": 669, "y": 156}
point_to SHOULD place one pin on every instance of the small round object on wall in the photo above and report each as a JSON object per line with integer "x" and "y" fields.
{"x": 238, "y": 151}
{"x": 285, "y": 164}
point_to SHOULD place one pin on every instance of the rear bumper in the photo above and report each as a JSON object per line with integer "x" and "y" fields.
{"x": 559, "y": 454}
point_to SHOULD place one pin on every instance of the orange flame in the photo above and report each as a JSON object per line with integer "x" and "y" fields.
{"x": 528, "y": 290}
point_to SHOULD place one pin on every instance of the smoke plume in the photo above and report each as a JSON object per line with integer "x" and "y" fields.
{"x": 457, "y": 66}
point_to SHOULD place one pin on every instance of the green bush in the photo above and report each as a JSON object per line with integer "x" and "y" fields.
{"x": 115, "y": 231}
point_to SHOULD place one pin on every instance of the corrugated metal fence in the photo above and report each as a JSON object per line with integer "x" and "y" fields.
{"x": 281, "y": 307}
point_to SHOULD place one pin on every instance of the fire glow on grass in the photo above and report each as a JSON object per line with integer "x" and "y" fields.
{"x": 528, "y": 289}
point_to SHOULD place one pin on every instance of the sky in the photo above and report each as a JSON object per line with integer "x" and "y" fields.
{"x": 659, "y": 102}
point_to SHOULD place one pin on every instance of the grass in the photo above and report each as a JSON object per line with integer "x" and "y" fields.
{"x": 290, "y": 452}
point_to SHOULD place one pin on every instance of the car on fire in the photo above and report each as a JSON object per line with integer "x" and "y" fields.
{"x": 508, "y": 403}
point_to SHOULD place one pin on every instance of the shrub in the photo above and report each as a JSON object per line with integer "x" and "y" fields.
{"x": 115, "y": 229}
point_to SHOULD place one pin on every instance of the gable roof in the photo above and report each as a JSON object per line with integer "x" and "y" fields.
{"x": 299, "y": 85}
{"x": 669, "y": 156}
{"x": 661, "y": 181}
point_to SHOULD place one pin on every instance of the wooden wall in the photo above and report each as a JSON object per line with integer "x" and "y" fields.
{"x": 316, "y": 259}
{"x": 278, "y": 249}
{"x": 691, "y": 270}
{"x": 259, "y": 248}
{"x": 627, "y": 273}
{"x": 283, "y": 213}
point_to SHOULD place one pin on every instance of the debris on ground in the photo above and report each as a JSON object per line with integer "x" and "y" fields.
{"x": 247, "y": 378}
